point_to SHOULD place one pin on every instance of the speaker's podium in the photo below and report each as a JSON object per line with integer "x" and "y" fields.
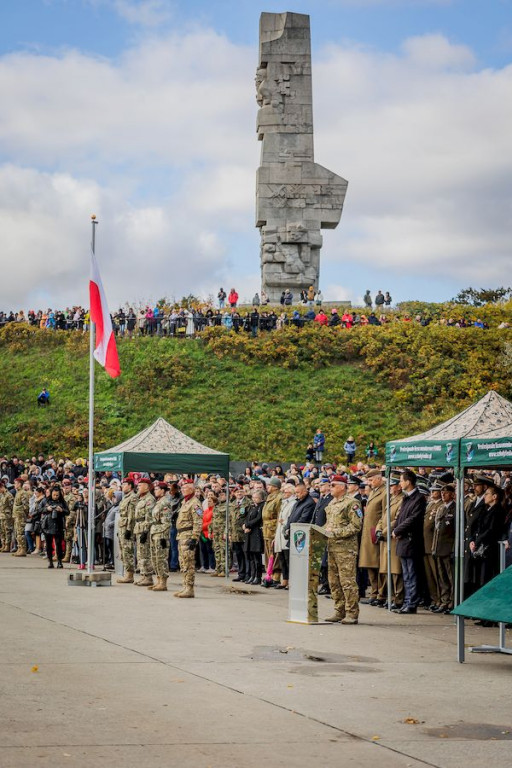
{"x": 307, "y": 546}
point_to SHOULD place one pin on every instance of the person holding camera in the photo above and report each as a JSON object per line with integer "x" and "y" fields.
{"x": 52, "y": 524}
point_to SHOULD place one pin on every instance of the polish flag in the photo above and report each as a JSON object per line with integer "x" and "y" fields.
{"x": 105, "y": 350}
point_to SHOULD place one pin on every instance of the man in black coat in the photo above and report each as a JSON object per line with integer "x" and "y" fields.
{"x": 319, "y": 518}
{"x": 475, "y": 511}
{"x": 303, "y": 510}
{"x": 408, "y": 532}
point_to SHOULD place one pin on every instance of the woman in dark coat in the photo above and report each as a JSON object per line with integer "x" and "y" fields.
{"x": 253, "y": 543}
{"x": 52, "y": 524}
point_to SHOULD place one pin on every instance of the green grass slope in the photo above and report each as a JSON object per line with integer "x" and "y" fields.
{"x": 250, "y": 397}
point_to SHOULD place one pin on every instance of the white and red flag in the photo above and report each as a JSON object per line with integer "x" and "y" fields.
{"x": 105, "y": 350}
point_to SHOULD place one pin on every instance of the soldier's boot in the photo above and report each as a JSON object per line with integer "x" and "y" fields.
{"x": 154, "y": 583}
{"x": 67, "y": 556}
{"x": 349, "y": 620}
{"x": 126, "y": 579}
{"x": 187, "y": 592}
{"x": 335, "y": 618}
{"x": 146, "y": 581}
{"x": 178, "y": 593}
{"x": 161, "y": 585}
{"x": 20, "y": 552}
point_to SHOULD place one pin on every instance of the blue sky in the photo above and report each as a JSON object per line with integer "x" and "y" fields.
{"x": 144, "y": 111}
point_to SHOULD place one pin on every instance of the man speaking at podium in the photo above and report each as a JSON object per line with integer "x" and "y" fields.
{"x": 344, "y": 521}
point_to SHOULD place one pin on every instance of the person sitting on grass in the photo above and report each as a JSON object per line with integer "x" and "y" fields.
{"x": 43, "y": 398}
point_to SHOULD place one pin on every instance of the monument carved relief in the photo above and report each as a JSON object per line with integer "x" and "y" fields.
{"x": 295, "y": 197}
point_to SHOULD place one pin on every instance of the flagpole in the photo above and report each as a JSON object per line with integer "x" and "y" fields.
{"x": 92, "y": 506}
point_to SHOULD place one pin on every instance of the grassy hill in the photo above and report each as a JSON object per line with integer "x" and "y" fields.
{"x": 259, "y": 397}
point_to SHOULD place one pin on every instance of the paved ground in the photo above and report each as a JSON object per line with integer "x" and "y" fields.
{"x": 123, "y": 677}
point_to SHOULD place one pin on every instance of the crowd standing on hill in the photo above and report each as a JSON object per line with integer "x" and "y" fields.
{"x": 169, "y": 523}
{"x": 187, "y": 321}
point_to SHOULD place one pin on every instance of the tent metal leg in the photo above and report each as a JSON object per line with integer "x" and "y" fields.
{"x": 460, "y": 640}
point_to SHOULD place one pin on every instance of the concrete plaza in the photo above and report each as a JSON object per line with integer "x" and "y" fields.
{"x": 123, "y": 677}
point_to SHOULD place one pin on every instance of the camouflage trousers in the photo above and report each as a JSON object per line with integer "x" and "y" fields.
{"x": 159, "y": 556}
{"x": 144, "y": 557}
{"x": 187, "y": 563}
{"x": 6, "y": 531}
{"x": 342, "y": 578}
{"x": 219, "y": 550}
{"x": 19, "y": 530}
{"x": 126, "y": 550}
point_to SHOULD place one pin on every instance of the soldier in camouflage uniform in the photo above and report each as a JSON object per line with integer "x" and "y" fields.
{"x": 125, "y": 526}
{"x": 6, "y": 525}
{"x": 159, "y": 536}
{"x": 145, "y": 503}
{"x": 70, "y": 521}
{"x": 188, "y": 526}
{"x": 236, "y": 522}
{"x": 217, "y": 529}
{"x": 344, "y": 521}
{"x": 20, "y": 512}
{"x": 6, "y": 505}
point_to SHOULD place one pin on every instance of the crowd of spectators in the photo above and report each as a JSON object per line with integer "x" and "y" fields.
{"x": 259, "y": 544}
{"x": 188, "y": 321}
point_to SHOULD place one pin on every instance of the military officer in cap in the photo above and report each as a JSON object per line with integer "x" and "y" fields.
{"x": 344, "y": 521}
{"x": 270, "y": 516}
{"x": 125, "y": 526}
{"x": 369, "y": 554}
{"x": 6, "y": 505}
{"x": 434, "y": 503}
{"x": 159, "y": 536}
{"x": 188, "y": 526}
{"x": 473, "y": 512}
{"x": 443, "y": 543}
{"x": 145, "y": 503}
{"x": 354, "y": 485}
{"x": 381, "y": 532}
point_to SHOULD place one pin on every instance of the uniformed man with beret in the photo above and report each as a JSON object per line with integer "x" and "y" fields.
{"x": 159, "y": 536}
{"x": 369, "y": 554}
{"x": 344, "y": 520}
{"x": 188, "y": 526}
{"x": 217, "y": 529}
{"x": 20, "y": 512}
{"x": 6, "y": 525}
{"x": 125, "y": 526}
{"x": 145, "y": 503}
{"x": 70, "y": 521}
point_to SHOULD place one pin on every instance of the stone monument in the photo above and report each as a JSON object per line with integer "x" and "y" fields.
{"x": 295, "y": 197}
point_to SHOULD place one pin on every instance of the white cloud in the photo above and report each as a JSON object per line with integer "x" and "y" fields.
{"x": 147, "y": 13}
{"x": 161, "y": 145}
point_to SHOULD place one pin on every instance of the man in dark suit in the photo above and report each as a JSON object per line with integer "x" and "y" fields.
{"x": 475, "y": 510}
{"x": 303, "y": 510}
{"x": 319, "y": 518}
{"x": 409, "y": 535}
